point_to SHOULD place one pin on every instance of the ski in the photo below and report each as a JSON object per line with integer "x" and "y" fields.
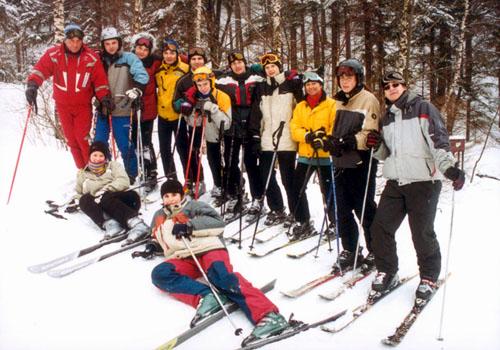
{"x": 411, "y": 317}
{"x": 75, "y": 255}
{"x": 373, "y": 298}
{"x": 295, "y": 328}
{"x": 310, "y": 285}
{"x": 272, "y": 250}
{"x": 233, "y": 237}
{"x": 350, "y": 283}
{"x": 270, "y": 236}
{"x": 306, "y": 252}
{"x": 181, "y": 338}
{"x": 69, "y": 270}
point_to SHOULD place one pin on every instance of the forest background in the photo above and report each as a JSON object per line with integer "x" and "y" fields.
{"x": 447, "y": 50}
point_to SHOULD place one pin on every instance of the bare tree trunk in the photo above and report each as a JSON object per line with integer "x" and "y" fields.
{"x": 432, "y": 66}
{"x": 315, "y": 30}
{"x": 137, "y": 16}
{"x": 303, "y": 38}
{"x": 347, "y": 30}
{"x": 293, "y": 46}
{"x": 404, "y": 38}
{"x": 449, "y": 106}
{"x": 335, "y": 28}
{"x": 197, "y": 23}
{"x": 324, "y": 38}
{"x": 379, "y": 43}
{"x": 277, "y": 42}
{"x": 239, "y": 31}
{"x": 368, "y": 18}
{"x": 58, "y": 21}
{"x": 468, "y": 81}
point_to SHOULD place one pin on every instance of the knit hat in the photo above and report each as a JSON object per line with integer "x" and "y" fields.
{"x": 269, "y": 58}
{"x": 392, "y": 76}
{"x": 170, "y": 44}
{"x": 236, "y": 56}
{"x": 171, "y": 186}
{"x": 101, "y": 147}
{"x": 197, "y": 51}
{"x": 73, "y": 30}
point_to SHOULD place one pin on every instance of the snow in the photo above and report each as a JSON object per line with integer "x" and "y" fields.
{"x": 113, "y": 305}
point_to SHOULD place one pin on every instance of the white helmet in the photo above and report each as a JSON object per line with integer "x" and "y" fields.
{"x": 110, "y": 33}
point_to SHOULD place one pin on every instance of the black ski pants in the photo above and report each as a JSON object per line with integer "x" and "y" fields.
{"x": 419, "y": 201}
{"x": 165, "y": 131}
{"x": 350, "y": 189}
{"x": 120, "y": 206}
{"x": 301, "y": 177}
{"x": 148, "y": 151}
{"x": 286, "y": 161}
{"x": 214, "y": 158}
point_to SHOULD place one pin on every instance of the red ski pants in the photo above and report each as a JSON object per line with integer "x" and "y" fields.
{"x": 76, "y": 122}
{"x": 178, "y": 277}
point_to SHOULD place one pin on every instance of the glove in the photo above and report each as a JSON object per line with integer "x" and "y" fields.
{"x": 150, "y": 250}
{"x": 348, "y": 142}
{"x": 107, "y": 105}
{"x": 186, "y": 108}
{"x": 456, "y": 175}
{"x": 98, "y": 195}
{"x": 255, "y": 146}
{"x": 133, "y": 93}
{"x": 317, "y": 144}
{"x": 182, "y": 230}
{"x": 200, "y": 105}
{"x": 31, "y": 93}
{"x": 373, "y": 140}
{"x": 311, "y": 136}
{"x": 211, "y": 107}
{"x": 333, "y": 145}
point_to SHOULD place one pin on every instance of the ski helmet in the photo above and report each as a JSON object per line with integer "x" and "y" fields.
{"x": 354, "y": 66}
{"x": 111, "y": 33}
{"x": 392, "y": 76}
{"x": 204, "y": 73}
{"x": 312, "y": 76}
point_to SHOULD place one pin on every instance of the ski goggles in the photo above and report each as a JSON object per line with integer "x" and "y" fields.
{"x": 168, "y": 44}
{"x": 311, "y": 77}
{"x": 144, "y": 42}
{"x": 196, "y": 51}
{"x": 235, "y": 56}
{"x": 269, "y": 58}
{"x": 74, "y": 33}
{"x": 202, "y": 76}
{"x": 345, "y": 70}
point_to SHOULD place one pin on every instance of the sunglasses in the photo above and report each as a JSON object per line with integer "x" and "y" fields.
{"x": 393, "y": 85}
{"x": 196, "y": 51}
{"x": 269, "y": 58}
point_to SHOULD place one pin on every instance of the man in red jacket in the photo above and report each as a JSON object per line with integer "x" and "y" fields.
{"x": 77, "y": 75}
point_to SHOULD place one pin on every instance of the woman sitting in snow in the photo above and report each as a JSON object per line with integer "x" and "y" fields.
{"x": 103, "y": 185}
{"x": 181, "y": 226}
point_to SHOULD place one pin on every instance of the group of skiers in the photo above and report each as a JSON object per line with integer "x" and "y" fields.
{"x": 265, "y": 117}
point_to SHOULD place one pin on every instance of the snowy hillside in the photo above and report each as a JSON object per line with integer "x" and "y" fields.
{"x": 113, "y": 305}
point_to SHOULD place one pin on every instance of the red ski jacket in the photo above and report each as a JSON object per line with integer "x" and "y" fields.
{"x": 76, "y": 78}
{"x": 149, "y": 99}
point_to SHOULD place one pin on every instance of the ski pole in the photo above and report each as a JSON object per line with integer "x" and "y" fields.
{"x": 440, "y": 335}
{"x": 363, "y": 207}
{"x": 240, "y": 198}
{"x": 222, "y": 172}
{"x": 188, "y": 166}
{"x": 335, "y": 211}
{"x": 279, "y": 132}
{"x": 198, "y": 173}
{"x": 19, "y": 153}
{"x": 237, "y": 331}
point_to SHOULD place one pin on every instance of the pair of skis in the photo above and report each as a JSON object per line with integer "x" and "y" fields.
{"x": 52, "y": 264}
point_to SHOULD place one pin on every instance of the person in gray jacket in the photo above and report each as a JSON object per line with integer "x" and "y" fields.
{"x": 415, "y": 148}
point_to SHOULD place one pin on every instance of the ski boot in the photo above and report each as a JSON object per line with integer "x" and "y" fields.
{"x": 112, "y": 228}
{"x": 208, "y": 305}
{"x": 289, "y": 221}
{"x": 255, "y": 208}
{"x": 302, "y": 230}
{"x": 275, "y": 217}
{"x": 271, "y": 324}
{"x": 425, "y": 289}
{"x": 137, "y": 230}
{"x": 151, "y": 183}
{"x": 346, "y": 261}
{"x": 384, "y": 282}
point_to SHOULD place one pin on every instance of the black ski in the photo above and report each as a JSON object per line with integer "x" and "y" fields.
{"x": 68, "y": 270}
{"x": 295, "y": 328}
{"x": 373, "y": 298}
{"x": 75, "y": 255}
{"x": 411, "y": 317}
{"x": 181, "y": 338}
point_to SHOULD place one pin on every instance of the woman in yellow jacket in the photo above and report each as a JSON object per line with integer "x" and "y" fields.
{"x": 312, "y": 121}
{"x": 171, "y": 70}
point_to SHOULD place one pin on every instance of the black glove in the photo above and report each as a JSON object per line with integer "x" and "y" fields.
{"x": 312, "y": 135}
{"x": 456, "y": 175}
{"x": 182, "y": 230}
{"x": 200, "y": 104}
{"x": 318, "y": 143}
{"x": 348, "y": 142}
{"x": 151, "y": 249}
{"x": 186, "y": 108}
{"x": 107, "y": 105}
{"x": 31, "y": 93}
{"x": 255, "y": 146}
{"x": 373, "y": 140}
{"x": 333, "y": 145}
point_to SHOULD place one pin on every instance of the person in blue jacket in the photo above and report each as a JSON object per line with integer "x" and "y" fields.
{"x": 127, "y": 79}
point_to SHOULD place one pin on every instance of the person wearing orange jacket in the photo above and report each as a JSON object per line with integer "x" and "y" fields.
{"x": 78, "y": 75}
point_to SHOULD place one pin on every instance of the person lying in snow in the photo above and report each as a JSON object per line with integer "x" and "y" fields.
{"x": 181, "y": 226}
{"x": 102, "y": 187}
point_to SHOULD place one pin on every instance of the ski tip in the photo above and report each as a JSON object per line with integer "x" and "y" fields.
{"x": 287, "y": 294}
{"x": 389, "y": 342}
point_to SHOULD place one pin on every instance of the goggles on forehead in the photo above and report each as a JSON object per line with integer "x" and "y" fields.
{"x": 196, "y": 51}
{"x": 311, "y": 76}
{"x": 74, "y": 33}
{"x": 269, "y": 58}
{"x": 144, "y": 41}
{"x": 345, "y": 70}
{"x": 202, "y": 76}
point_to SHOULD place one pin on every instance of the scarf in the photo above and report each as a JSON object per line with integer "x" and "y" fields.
{"x": 98, "y": 168}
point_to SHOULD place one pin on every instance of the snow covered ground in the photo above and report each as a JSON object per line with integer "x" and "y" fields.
{"x": 113, "y": 305}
